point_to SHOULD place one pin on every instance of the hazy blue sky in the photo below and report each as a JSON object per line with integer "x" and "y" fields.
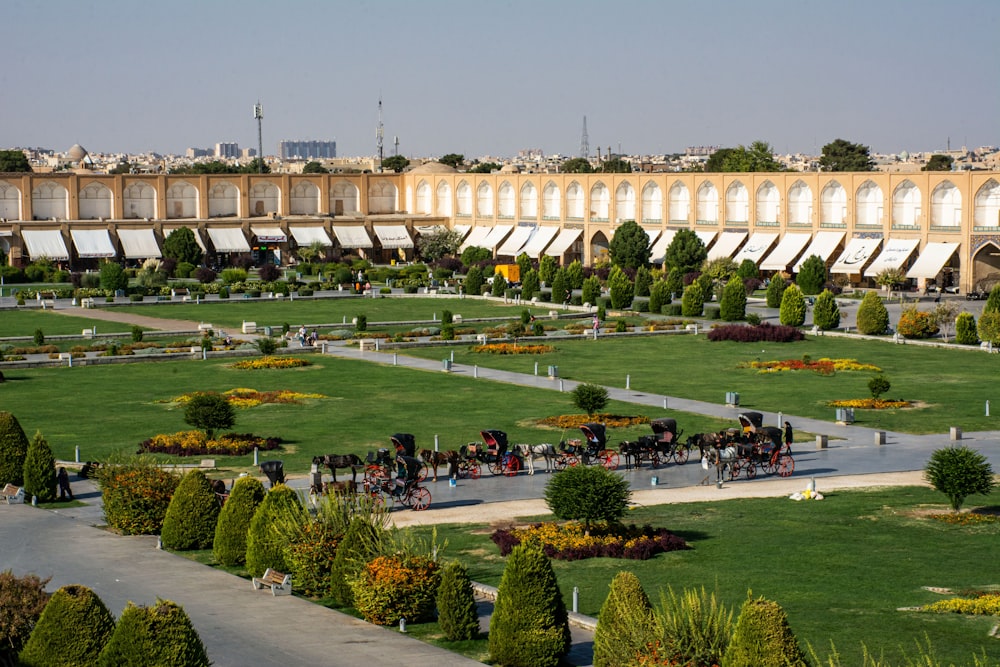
{"x": 491, "y": 78}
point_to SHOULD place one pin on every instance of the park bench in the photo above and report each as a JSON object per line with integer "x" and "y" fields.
{"x": 179, "y": 292}
{"x": 280, "y": 584}
{"x": 46, "y": 298}
{"x": 12, "y": 495}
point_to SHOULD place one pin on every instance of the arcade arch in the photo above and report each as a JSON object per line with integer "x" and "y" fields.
{"x": 708, "y": 203}
{"x": 484, "y": 200}
{"x": 737, "y": 203}
{"x": 223, "y": 200}
{"x": 768, "y": 203}
{"x": 800, "y": 203}
{"x": 95, "y": 202}
{"x": 679, "y": 199}
{"x": 600, "y": 202}
{"x": 139, "y": 201}
{"x": 833, "y": 204}
{"x": 529, "y": 201}
{"x": 906, "y": 204}
{"x": 624, "y": 202}
{"x": 946, "y": 205}
{"x": 987, "y": 205}
{"x": 550, "y": 202}
{"x": 10, "y": 201}
{"x": 574, "y": 201}
{"x": 652, "y": 203}
{"x": 182, "y": 200}
{"x": 868, "y": 204}
{"x": 304, "y": 199}
{"x": 443, "y": 193}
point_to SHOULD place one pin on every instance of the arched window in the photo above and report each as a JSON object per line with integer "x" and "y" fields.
{"x": 680, "y": 202}
{"x": 182, "y": 200}
{"x": 463, "y": 193}
{"x": 139, "y": 200}
{"x": 484, "y": 200}
{"x": 574, "y": 201}
{"x": 529, "y": 201}
{"x": 550, "y": 201}
{"x": 987, "y": 205}
{"x": 946, "y": 205}
{"x": 600, "y": 202}
{"x": 833, "y": 204}
{"x": 443, "y": 193}
{"x": 708, "y": 203}
{"x": 868, "y": 204}
{"x": 737, "y": 203}
{"x": 304, "y": 199}
{"x": 624, "y": 202}
{"x": 223, "y": 200}
{"x": 652, "y": 203}
{"x": 506, "y": 200}
{"x": 906, "y": 204}
{"x": 800, "y": 204}
{"x": 768, "y": 203}
{"x": 423, "y": 203}
{"x": 95, "y": 202}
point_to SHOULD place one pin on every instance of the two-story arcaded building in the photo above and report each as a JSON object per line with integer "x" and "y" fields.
{"x": 936, "y": 226}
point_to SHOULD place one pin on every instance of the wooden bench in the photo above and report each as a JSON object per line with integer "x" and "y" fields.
{"x": 280, "y": 584}
{"x": 12, "y": 495}
{"x": 179, "y": 291}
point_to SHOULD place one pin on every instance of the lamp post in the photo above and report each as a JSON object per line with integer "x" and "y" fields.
{"x": 258, "y": 114}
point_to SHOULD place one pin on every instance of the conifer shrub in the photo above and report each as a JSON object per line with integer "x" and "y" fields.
{"x": 873, "y": 318}
{"x": 993, "y": 300}
{"x": 965, "y": 329}
{"x": 812, "y": 275}
{"x": 40, "y": 471}
{"x": 693, "y": 300}
{"x": 693, "y": 628}
{"x": 775, "y": 290}
{"x": 13, "y": 450}
{"x": 22, "y": 600}
{"x": 988, "y": 328}
{"x": 192, "y": 514}
{"x": 230, "y": 542}
{"x": 529, "y": 625}
{"x": 136, "y": 493}
{"x": 160, "y": 635}
{"x": 763, "y": 638}
{"x": 265, "y": 545}
{"x": 360, "y": 543}
{"x": 458, "y": 616}
{"x": 625, "y": 624}
{"x": 793, "y": 307}
{"x": 733, "y": 306}
{"x": 826, "y": 313}
{"x": 659, "y": 296}
{"x": 310, "y": 557}
{"x": 389, "y": 588}
{"x": 959, "y": 472}
{"x": 72, "y": 630}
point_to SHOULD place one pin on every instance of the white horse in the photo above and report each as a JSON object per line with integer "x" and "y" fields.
{"x": 723, "y": 456}
{"x": 545, "y": 451}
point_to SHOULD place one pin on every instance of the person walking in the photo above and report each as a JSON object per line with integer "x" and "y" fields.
{"x": 65, "y": 493}
{"x": 597, "y": 326}
{"x": 788, "y": 437}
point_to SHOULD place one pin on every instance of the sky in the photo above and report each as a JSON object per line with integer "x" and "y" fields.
{"x": 492, "y": 78}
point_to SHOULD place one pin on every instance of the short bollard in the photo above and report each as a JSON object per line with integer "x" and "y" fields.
{"x": 821, "y": 442}
{"x": 664, "y": 402}
{"x": 255, "y": 451}
{"x": 955, "y": 433}
{"x": 576, "y": 599}
{"x": 78, "y": 453}
{"x": 879, "y": 437}
{"x": 402, "y": 624}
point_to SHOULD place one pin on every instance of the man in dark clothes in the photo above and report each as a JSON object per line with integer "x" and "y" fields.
{"x": 63, "y": 478}
{"x": 788, "y": 436}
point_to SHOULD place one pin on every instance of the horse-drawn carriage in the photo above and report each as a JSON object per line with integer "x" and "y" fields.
{"x": 404, "y": 487}
{"x": 663, "y": 445}
{"x": 493, "y": 452}
{"x": 742, "y": 451}
{"x": 591, "y": 450}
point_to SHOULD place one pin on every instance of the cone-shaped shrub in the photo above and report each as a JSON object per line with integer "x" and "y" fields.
{"x": 13, "y": 450}
{"x": 456, "y": 604}
{"x": 873, "y": 318}
{"x": 965, "y": 329}
{"x": 191, "y": 515}
{"x": 762, "y": 638}
{"x": 160, "y": 635}
{"x": 529, "y": 625}
{"x": 265, "y": 544}
{"x": 73, "y": 629}
{"x": 40, "y": 471}
{"x": 826, "y": 313}
{"x": 625, "y": 624}
{"x": 733, "y": 306}
{"x": 230, "y": 544}
{"x": 775, "y": 290}
{"x": 693, "y": 301}
{"x": 358, "y": 546}
{"x": 793, "y": 307}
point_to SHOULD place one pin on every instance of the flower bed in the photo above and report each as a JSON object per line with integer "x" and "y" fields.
{"x": 576, "y": 421}
{"x": 765, "y": 332}
{"x": 196, "y": 443}
{"x": 271, "y": 362}
{"x": 511, "y": 348}
{"x": 242, "y": 397}
{"x": 824, "y": 366}
{"x": 568, "y": 541}
{"x": 870, "y": 404}
{"x": 984, "y": 604}
{"x": 965, "y": 518}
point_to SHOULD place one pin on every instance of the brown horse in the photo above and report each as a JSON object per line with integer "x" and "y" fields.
{"x": 334, "y": 461}
{"x": 434, "y": 459}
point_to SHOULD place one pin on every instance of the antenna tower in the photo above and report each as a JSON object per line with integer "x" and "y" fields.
{"x": 584, "y": 142}
{"x": 378, "y": 134}
{"x": 395, "y": 145}
{"x": 258, "y": 114}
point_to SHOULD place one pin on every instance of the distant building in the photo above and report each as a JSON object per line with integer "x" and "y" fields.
{"x": 227, "y": 149}
{"x": 248, "y": 153}
{"x": 307, "y": 150}
{"x": 193, "y": 153}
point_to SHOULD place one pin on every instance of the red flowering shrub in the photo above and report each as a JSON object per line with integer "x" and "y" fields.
{"x": 765, "y": 332}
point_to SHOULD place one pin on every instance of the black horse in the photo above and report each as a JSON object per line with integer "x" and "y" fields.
{"x": 334, "y": 461}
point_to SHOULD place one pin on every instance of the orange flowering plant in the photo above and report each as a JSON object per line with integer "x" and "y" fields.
{"x": 393, "y": 587}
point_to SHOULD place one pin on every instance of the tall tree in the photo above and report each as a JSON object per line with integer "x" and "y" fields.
{"x": 438, "y": 244}
{"x": 255, "y": 166}
{"x": 629, "y": 247}
{"x": 396, "y": 163}
{"x": 14, "y": 161}
{"x": 716, "y": 160}
{"x": 182, "y": 245}
{"x": 576, "y": 165}
{"x": 758, "y": 157}
{"x": 452, "y": 159}
{"x": 616, "y": 166}
{"x": 842, "y": 155}
{"x": 485, "y": 168}
{"x": 685, "y": 253}
{"x": 314, "y": 167}
{"x": 939, "y": 162}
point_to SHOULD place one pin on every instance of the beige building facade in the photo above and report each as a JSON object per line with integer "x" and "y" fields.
{"x": 938, "y": 227}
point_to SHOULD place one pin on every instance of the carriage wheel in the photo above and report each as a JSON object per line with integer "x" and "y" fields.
{"x": 511, "y": 466}
{"x": 475, "y": 470}
{"x": 419, "y": 498}
{"x": 560, "y": 462}
{"x": 770, "y": 465}
{"x": 609, "y": 459}
{"x": 381, "y": 497}
{"x": 751, "y": 469}
{"x": 495, "y": 467}
{"x": 681, "y": 455}
{"x": 786, "y": 465}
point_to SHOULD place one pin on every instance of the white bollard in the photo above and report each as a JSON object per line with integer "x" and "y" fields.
{"x": 78, "y": 453}
{"x": 628, "y": 381}
{"x": 780, "y": 421}
{"x": 987, "y": 402}
{"x": 453, "y": 356}
{"x": 560, "y": 385}
{"x": 475, "y": 371}
{"x": 394, "y": 358}
{"x": 664, "y": 402}
{"x": 987, "y": 407}
{"x": 255, "y": 456}
{"x": 576, "y": 599}
{"x": 435, "y": 442}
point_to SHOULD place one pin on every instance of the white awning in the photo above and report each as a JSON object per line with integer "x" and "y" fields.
{"x": 788, "y": 249}
{"x": 93, "y": 243}
{"x": 726, "y": 245}
{"x": 823, "y": 245}
{"x": 653, "y": 234}
{"x": 197, "y": 236}
{"x": 536, "y": 244}
{"x": 566, "y": 238}
{"x": 476, "y": 238}
{"x": 462, "y": 229}
{"x": 497, "y": 234}
{"x": 228, "y": 239}
{"x": 45, "y": 243}
{"x": 932, "y": 260}
{"x": 893, "y": 256}
{"x": 855, "y": 255}
{"x": 306, "y": 236}
{"x": 269, "y": 234}
{"x": 355, "y": 236}
{"x": 756, "y": 247}
{"x": 139, "y": 243}
{"x": 706, "y": 236}
{"x": 515, "y": 241}
{"x": 393, "y": 236}
{"x": 658, "y": 252}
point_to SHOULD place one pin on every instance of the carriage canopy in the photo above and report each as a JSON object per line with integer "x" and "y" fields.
{"x": 595, "y": 434}
{"x": 495, "y": 438}
{"x": 751, "y": 421}
{"x": 772, "y": 434}
{"x": 664, "y": 425}
{"x": 405, "y": 442}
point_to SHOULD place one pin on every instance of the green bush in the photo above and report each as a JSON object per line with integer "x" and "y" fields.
{"x": 673, "y": 310}
{"x": 812, "y": 275}
{"x": 588, "y": 494}
{"x": 266, "y": 345}
{"x": 959, "y": 472}
{"x": 39, "y": 337}
{"x": 113, "y": 277}
{"x": 192, "y": 514}
{"x": 591, "y": 398}
{"x": 793, "y": 307}
{"x": 965, "y": 329}
{"x": 559, "y": 286}
{"x": 529, "y": 625}
{"x": 209, "y": 411}
{"x": 499, "y": 285}
{"x": 762, "y": 638}
{"x": 22, "y": 600}
{"x": 993, "y": 300}
{"x": 136, "y": 493}
{"x": 135, "y": 298}
{"x": 230, "y": 542}
{"x": 775, "y": 290}
{"x": 136, "y": 334}
{"x": 643, "y": 280}
{"x": 389, "y": 588}
{"x": 873, "y": 318}
{"x": 879, "y": 385}
{"x": 625, "y": 624}
{"x": 659, "y": 296}
{"x": 989, "y": 327}
{"x": 223, "y": 292}
{"x": 310, "y": 558}
{"x": 675, "y": 283}
{"x": 361, "y": 322}
{"x": 733, "y": 306}
{"x": 474, "y": 279}
{"x": 72, "y": 630}
{"x": 826, "y": 313}
{"x": 693, "y": 301}
{"x": 13, "y": 450}
{"x": 712, "y": 313}
{"x": 265, "y": 545}
{"x": 458, "y": 616}
{"x": 160, "y": 635}
{"x": 753, "y": 319}
{"x": 694, "y": 628}
{"x": 360, "y": 542}
{"x": 233, "y": 276}
{"x": 40, "y": 471}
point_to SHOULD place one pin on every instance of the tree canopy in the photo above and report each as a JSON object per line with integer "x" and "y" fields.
{"x": 255, "y": 166}
{"x": 629, "y": 247}
{"x": 182, "y": 245}
{"x": 939, "y": 162}
{"x": 842, "y": 155}
{"x": 438, "y": 244}
{"x": 485, "y": 168}
{"x": 213, "y": 167}
{"x": 395, "y": 163}
{"x": 758, "y": 157}
{"x": 577, "y": 165}
{"x": 616, "y": 165}
{"x": 452, "y": 159}
{"x": 685, "y": 253}
{"x": 14, "y": 161}
{"x": 314, "y": 167}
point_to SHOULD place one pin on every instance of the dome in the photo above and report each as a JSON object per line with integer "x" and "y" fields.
{"x": 433, "y": 168}
{"x": 904, "y": 156}
{"x": 510, "y": 169}
{"x": 76, "y": 152}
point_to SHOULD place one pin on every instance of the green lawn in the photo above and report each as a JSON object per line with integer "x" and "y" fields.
{"x": 24, "y": 322}
{"x": 840, "y": 567}
{"x": 949, "y": 386}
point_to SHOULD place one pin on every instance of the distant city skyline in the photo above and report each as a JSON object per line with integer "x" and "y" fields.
{"x": 492, "y": 79}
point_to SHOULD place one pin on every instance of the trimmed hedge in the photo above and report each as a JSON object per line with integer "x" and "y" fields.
{"x": 73, "y": 629}
{"x": 160, "y": 635}
{"x": 136, "y": 494}
{"x": 230, "y": 543}
{"x": 762, "y": 638}
{"x": 458, "y": 617}
{"x": 192, "y": 514}
{"x": 265, "y": 546}
{"x": 756, "y": 333}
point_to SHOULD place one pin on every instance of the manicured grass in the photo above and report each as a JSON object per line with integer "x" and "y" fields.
{"x": 107, "y": 408}
{"x": 839, "y": 567}
{"x": 950, "y": 386}
{"x": 24, "y": 323}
